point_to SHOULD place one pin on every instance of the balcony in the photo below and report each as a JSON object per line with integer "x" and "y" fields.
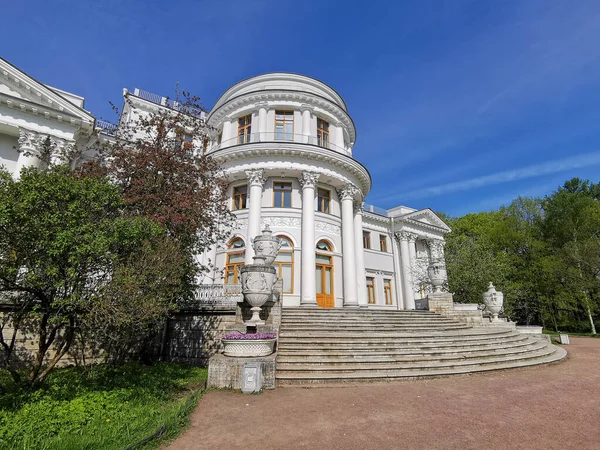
{"x": 253, "y": 138}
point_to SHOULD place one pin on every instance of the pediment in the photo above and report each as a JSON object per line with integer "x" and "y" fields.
{"x": 21, "y": 87}
{"x": 426, "y": 217}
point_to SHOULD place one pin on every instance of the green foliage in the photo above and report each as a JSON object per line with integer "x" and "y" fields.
{"x": 543, "y": 253}
{"x": 70, "y": 258}
{"x": 103, "y": 407}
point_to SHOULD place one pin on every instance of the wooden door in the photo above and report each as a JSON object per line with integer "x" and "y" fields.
{"x": 324, "y": 281}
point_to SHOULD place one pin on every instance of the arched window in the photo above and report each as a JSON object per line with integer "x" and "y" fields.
{"x": 285, "y": 264}
{"x": 324, "y": 275}
{"x": 236, "y": 252}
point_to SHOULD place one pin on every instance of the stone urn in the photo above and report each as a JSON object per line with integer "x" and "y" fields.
{"x": 494, "y": 301}
{"x": 437, "y": 274}
{"x": 266, "y": 246}
{"x": 257, "y": 287}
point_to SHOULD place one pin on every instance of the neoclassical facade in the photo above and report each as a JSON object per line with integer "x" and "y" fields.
{"x": 285, "y": 141}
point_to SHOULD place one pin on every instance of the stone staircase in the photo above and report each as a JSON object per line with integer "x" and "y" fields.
{"x": 342, "y": 345}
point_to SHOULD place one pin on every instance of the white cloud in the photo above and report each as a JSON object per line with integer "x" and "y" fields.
{"x": 532, "y": 171}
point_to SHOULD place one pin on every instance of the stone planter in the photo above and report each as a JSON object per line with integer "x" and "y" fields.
{"x": 257, "y": 287}
{"x": 247, "y": 348}
{"x": 266, "y": 246}
{"x": 493, "y": 302}
{"x": 437, "y": 274}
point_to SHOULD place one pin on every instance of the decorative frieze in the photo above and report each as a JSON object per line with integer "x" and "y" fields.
{"x": 327, "y": 228}
{"x": 282, "y": 222}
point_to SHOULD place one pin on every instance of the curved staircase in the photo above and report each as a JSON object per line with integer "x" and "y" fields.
{"x": 342, "y": 345}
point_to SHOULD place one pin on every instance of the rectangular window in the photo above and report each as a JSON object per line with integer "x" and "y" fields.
{"x": 184, "y": 140}
{"x": 371, "y": 290}
{"x": 323, "y": 200}
{"x": 366, "y": 239}
{"x": 244, "y": 125}
{"x": 282, "y": 195}
{"x": 383, "y": 242}
{"x": 284, "y": 125}
{"x": 387, "y": 290}
{"x": 322, "y": 133}
{"x": 240, "y": 195}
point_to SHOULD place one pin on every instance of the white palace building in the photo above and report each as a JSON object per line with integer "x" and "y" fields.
{"x": 286, "y": 142}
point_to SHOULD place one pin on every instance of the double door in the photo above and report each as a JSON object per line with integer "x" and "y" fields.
{"x": 324, "y": 281}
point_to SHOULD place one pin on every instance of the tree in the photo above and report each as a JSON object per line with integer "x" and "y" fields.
{"x": 66, "y": 250}
{"x": 159, "y": 164}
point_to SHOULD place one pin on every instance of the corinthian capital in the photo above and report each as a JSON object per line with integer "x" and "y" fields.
{"x": 403, "y": 235}
{"x": 256, "y": 177}
{"x": 29, "y": 140}
{"x": 308, "y": 179}
{"x": 348, "y": 192}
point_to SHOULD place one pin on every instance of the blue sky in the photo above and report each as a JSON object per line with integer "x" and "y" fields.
{"x": 460, "y": 105}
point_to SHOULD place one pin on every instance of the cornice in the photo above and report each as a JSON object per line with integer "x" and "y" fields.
{"x": 306, "y": 151}
{"x": 302, "y": 98}
{"x": 41, "y": 111}
{"x": 47, "y": 99}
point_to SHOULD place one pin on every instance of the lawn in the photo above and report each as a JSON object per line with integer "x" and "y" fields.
{"x": 102, "y": 407}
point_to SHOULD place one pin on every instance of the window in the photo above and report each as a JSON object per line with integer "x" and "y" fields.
{"x": 323, "y": 199}
{"x": 383, "y": 243}
{"x": 323, "y": 246}
{"x": 240, "y": 195}
{"x": 235, "y": 259}
{"x": 244, "y": 126}
{"x": 284, "y": 125}
{"x": 285, "y": 264}
{"x": 322, "y": 133}
{"x": 371, "y": 290}
{"x": 387, "y": 291}
{"x": 282, "y": 195}
{"x": 366, "y": 239}
{"x": 219, "y": 138}
{"x": 183, "y": 139}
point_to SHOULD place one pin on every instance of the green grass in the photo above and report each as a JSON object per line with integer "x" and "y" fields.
{"x": 104, "y": 407}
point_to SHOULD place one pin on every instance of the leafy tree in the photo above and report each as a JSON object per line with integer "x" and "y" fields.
{"x": 159, "y": 163}
{"x": 66, "y": 251}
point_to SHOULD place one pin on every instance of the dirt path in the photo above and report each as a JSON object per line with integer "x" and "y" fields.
{"x": 548, "y": 407}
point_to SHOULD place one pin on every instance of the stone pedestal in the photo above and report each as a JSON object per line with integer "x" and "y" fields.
{"x": 227, "y": 372}
{"x": 441, "y": 302}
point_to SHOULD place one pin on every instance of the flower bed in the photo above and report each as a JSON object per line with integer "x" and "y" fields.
{"x": 248, "y": 345}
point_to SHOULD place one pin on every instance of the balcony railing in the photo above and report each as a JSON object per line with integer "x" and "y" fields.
{"x": 106, "y": 127}
{"x": 375, "y": 210}
{"x": 215, "y": 295}
{"x": 280, "y": 137}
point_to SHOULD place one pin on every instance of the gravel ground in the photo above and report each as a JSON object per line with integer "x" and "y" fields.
{"x": 545, "y": 407}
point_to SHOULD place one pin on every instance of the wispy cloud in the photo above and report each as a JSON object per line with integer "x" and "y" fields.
{"x": 531, "y": 171}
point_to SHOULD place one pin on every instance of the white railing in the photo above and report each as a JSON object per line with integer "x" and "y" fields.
{"x": 216, "y": 295}
{"x": 280, "y": 137}
{"x": 375, "y": 210}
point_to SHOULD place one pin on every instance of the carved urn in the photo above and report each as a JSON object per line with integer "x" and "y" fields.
{"x": 437, "y": 274}
{"x": 266, "y": 246}
{"x": 494, "y": 301}
{"x": 257, "y": 287}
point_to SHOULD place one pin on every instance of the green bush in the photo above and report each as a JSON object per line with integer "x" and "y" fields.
{"x": 100, "y": 408}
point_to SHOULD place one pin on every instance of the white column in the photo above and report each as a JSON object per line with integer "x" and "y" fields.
{"x": 409, "y": 296}
{"x": 412, "y": 250}
{"x": 29, "y": 142}
{"x": 256, "y": 180}
{"x": 263, "y": 107}
{"x": 347, "y": 194}
{"x": 397, "y": 273}
{"x": 339, "y": 136}
{"x": 308, "y": 287}
{"x": 306, "y": 114}
{"x": 212, "y": 261}
{"x": 361, "y": 282}
{"x": 226, "y": 133}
